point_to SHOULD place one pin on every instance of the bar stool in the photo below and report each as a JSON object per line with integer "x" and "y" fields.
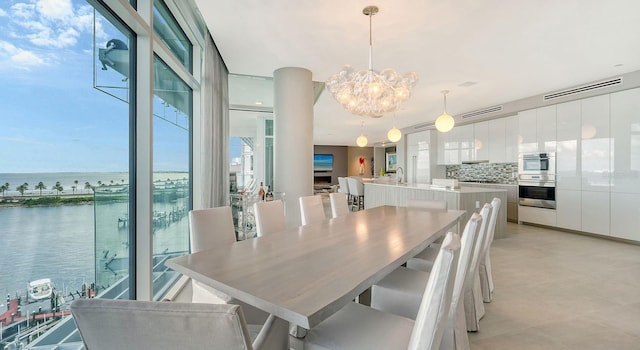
{"x": 356, "y": 188}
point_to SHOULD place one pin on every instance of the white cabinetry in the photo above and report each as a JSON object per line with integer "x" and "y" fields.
{"x": 497, "y": 141}
{"x": 569, "y": 209}
{"x": 449, "y": 147}
{"x": 568, "y": 156}
{"x": 625, "y": 136}
{"x": 511, "y": 139}
{"x": 418, "y": 158}
{"x": 625, "y": 211}
{"x": 481, "y": 140}
{"x": 537, "y": 129}
{"x": 595, "y": 212}
{"x": 595, "y": 146}
{"x": 465, "y": 136}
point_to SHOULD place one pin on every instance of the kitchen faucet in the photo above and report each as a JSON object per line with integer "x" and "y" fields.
{"x": 399, "y": 177}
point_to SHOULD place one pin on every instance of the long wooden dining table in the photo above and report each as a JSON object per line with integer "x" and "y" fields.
{"x": 305, "y": 274}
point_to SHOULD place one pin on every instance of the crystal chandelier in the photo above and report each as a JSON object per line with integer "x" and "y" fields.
{"x": 367, "y": 92}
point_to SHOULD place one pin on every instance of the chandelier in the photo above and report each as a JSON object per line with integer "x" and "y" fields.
{"x": 367, "y": 92}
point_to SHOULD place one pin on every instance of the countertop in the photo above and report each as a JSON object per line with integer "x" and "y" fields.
{"x": 461, "y": 190}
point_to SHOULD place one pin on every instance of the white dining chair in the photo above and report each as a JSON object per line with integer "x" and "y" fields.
{"x": 360, "y": 327}
{"x": 210, "y": 228}
{"x": 344, "y": 188}
{"x": 131, "y": 324}
{"x": 486, "y": 278}
{"x": 269, "y": 217}
{"x": 473, "y": 305}
{"x": 401, "y": 292}
{"x": 339, "y": 204}
{"x": 356, "y": 189}
{"x": 311, "y": 209}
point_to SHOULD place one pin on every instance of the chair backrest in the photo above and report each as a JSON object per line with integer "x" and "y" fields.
{"x": 356, "y": 187}
{"x": 339, "y": 204}
{"x": 433, "y": 313}
{"x": 469, "y": 239}
{"x": 344, "y": 185}
{"x": 129, "y": 324}
{"x": 211, "y": 227}
{"x": 269, "y": 217}
{"x": 311, "y": 209}
{"x": 427, "y": 204}
{"x": 495, "y": 204}
{"x": 480, "y": 243}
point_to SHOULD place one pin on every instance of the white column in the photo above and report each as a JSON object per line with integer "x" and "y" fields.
{"x": 293, "y": 124}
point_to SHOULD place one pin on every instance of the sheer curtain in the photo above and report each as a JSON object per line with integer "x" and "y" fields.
{"x": 215, "y": 128}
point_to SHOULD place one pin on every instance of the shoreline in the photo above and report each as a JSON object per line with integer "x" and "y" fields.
{"x": 46, "y": 200}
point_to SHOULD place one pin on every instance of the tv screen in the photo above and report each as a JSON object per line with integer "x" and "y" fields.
{"x": 323, "y": 162}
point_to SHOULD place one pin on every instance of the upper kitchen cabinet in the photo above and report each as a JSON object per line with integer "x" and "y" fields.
{"x": 625, "y": 141}
{"x": 449, "y": 147}
{"x": 537, "y": 129}
{"x": 595, "y": 145}
{"x": 481, "y": 140}
{"x": 497, "y": 141}
{"x": 467, "y": 142}
{"x": 568, "y": 156}
{"x": 511, "y": 139}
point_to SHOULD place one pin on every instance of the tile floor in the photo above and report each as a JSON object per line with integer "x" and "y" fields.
{"x": 558, "y": 290}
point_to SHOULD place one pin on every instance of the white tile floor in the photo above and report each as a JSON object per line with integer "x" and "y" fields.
{"x": 558, "y": 290}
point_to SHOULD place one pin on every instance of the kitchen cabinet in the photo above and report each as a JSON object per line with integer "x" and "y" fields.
{"x": 537, "y": 129}
{"x": 540, "y": 216}
{"x": 625, "y": 211}
{"x": 497, "y": 141}
{"x": 569, "y": 209}
{"x": 511, "y": 139}
{"x": 466, "y": 143}
{"x": 449, "y": 147}
{"x": 481, "y": 140}
{"x": 595, "y": 212}
{"x": 595, "y": 145}
{"x": 568, "y": 145}
{"x": 625, "y": 136}
{"x": 418, "y": 158}
{"x": 512, "y": 197}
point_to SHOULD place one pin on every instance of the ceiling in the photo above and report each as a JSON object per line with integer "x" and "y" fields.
{"x": 508, "y": 49}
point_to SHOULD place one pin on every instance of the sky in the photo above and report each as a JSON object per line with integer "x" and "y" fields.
{"x": 53, "y": 118}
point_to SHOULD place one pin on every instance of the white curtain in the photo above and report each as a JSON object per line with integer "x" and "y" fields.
{"x": 215, "y": 128}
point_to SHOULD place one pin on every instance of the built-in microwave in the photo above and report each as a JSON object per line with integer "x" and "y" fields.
{"x": 537, "y": 166}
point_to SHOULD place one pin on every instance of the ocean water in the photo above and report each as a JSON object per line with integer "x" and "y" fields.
{"x": 58, "y": 242}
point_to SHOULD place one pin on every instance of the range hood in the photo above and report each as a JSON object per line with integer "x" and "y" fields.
{"x": 475, "y": 161}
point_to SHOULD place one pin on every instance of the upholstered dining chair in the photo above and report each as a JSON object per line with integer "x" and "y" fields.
{"x": 311, "y": 209}
{"x": 129, "y": 324}
{"x": 339, "y": 204}
{"x": 360, "y": 327}
{"x": 210, "y": 228}
{"x": 401, "y": 292}
{"x": 269, "y": 217}
{"x": 356, "y": 189}
{"x": 486, "y": 278}
{"x": 344, "y": 188}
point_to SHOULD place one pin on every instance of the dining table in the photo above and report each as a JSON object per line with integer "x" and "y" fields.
{"x": 307, "y": 273}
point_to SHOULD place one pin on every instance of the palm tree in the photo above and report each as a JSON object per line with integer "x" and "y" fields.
{"x": 99, "y": 183}
{"x": 40, "y": 186}
{"x": 58, "y": 187}
{"x": 21, "y": 189}
{"x": 4, "y": 188}
{"x": 87, "y": 186}
{"x": 76, "y": 185}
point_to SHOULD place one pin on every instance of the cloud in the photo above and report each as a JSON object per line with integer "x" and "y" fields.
{"x": 55, "y": 9}
{"x": 18, "y": 57}
{"x": 3, "y": 13}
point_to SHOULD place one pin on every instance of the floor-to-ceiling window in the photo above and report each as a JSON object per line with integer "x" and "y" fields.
{"x": 69, "y": 177}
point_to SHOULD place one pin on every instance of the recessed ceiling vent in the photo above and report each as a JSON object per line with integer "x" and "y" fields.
{"x": 423, "y": 125}
{"x": 584, "y": 88}
{"x": 481, "y": 112}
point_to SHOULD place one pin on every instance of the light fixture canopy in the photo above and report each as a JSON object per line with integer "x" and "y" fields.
{"x": 368, "y": 92}
{"x": 445, "y": 122}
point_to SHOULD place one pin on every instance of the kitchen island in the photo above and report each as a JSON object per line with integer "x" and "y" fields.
{"x": 463, "y": 198}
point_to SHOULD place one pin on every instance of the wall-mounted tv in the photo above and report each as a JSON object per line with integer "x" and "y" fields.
{"x": 323, "y": 162}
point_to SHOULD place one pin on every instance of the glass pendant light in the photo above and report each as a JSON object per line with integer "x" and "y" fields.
{"x": 394, "y": 135}
{"x": 362, "y": 140}
{"x": 445, "y": 122}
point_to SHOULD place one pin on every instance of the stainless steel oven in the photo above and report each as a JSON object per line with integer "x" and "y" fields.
{"x": 537, "y": 194}
{"x": 537, "y": 166}
{"x": 537, "y": 180}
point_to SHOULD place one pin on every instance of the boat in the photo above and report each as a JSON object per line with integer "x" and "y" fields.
{"x": 40, "y": 289}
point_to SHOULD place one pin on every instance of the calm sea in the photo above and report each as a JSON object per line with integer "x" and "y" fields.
{"x": 58, "y": 242}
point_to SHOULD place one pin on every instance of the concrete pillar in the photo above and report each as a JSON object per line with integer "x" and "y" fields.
{"x": 293, "y": 131}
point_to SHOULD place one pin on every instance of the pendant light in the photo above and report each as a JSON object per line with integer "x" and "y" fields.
{"x": 362, "y": 140}
{"x": 394, "y": 135}
{"x": 445, "y": 122}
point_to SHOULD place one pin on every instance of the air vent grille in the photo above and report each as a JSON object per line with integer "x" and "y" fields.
{"x": 481, "y": 112}
{"x": 423, "y": 125}
{"x": 584, "y": 88}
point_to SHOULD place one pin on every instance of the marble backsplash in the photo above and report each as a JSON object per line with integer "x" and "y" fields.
{"x": 503, "y": 173}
